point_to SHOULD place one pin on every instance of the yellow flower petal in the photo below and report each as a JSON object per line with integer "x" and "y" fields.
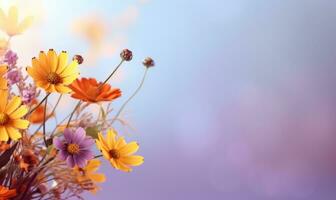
{"x": 4, "y": 99}
{"x": 111, "y": 142}
{"x": 13, "y": 105}
{"x": 62, "y": 89}
{"x": 62, "y": 61}
{"x": 120, "y": 143}
{"x": 69, "y": 79}
{"x": 13, "y": 15}
{"x": 129, "y": 148}
{"x": 102, "y": 142}
{"x": 97, "y": 177}
{"x": 71, "y": 69}
{"x": 132, "y": 160}
{"x": 3, "y": 69}
{"x": 3, "y": 84}
{"x": 20, "y": 112}
{"x": 123, "y": 167}
{"x": 13, "y": 133}
{"x": 52, "y": 60}
{"x": 20, "y": 123}
{"x": 3, "y": 134}
{"x": 25, "y": 24}
{"x": 93, "y": 165}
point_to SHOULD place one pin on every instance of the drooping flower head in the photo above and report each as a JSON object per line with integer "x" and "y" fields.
{"x": 87, "y": 177}
{"x": 52, "y": 72}
{"x": 118, "y": 152}
{"x": 89, "y": 90}
{"x": 74, "y": 148}
{"x": 11, "y": 113}
{"x": 10, "y": 24}
{"x": 11, "y": 58}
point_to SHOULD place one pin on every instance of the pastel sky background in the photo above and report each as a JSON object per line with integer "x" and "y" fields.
{"x": 240, "y": 106}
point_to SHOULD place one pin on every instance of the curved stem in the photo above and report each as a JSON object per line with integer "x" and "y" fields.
{"x": 73, "y": 112}
{"x": 113, "y": 72}
{"x": 32, "y": 110}
{"x": 58, "y": 101}
{"x": 44, "y": 120}
{"x": 131, "y": 97}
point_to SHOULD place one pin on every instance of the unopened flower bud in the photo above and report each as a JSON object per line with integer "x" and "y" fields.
{"x": 126, "y": 55}
{"x": 79, "y": 59}
{"x": 148, "y": 62}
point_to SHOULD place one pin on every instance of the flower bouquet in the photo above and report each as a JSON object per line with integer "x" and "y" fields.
{"x": 60, "y": 162}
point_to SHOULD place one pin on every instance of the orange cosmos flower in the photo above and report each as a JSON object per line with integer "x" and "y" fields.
{"x": 89, "y": 90}
{"x": 6, "y": 193}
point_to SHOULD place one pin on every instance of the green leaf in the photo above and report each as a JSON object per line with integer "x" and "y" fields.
{"x": 92, "y": 131}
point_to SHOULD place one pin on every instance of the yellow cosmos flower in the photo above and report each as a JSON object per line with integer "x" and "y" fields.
{"x": 10, "y": 117}
{"x": 87, "y": 176}
{"x": 52, "y": 72}
{"x": 118, "y": 152}
{"x": 10, "y": 24}
{"x": 3, "y": 81}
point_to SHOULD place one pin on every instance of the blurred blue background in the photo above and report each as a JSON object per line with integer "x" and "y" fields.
{"x": 241, "y": 103}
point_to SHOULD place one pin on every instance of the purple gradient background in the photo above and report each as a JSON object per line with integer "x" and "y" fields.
{"x": 241, "y": 105}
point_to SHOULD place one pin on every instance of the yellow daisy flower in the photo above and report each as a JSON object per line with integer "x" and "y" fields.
{"x": 87, "y": 176}
{"x": 10, "y": 117}
{"x": 52, "y": 72}
{"x": 10, "y": 23}
{"x": 118, "y": 152}
{"x": 3, "y": 81}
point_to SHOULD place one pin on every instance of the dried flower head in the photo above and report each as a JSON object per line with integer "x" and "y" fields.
{"x": 79, "y": 59}
{"x": 126, "y": 55}
{"x": 148, "y": 62}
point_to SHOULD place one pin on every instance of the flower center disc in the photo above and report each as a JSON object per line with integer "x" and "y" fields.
{"x": 73, "y": 148}
{"x": 114, "y": 154}
{"x": 3, "y": 118}
{"x": 53, "y": 78}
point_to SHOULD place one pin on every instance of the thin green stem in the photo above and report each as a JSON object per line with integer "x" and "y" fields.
{"x": 131, "y": 97}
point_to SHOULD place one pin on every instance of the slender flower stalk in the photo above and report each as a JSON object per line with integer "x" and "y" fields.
{"x": 113, "y": 72}
{"x": 73, "y": 112}
{"x": 44, "y": 121}
{"x": 131, "y": 97}
{"x": 44, "y": 99}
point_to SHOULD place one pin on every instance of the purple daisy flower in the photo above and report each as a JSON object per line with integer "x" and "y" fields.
{"x": 74, "y": 148}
